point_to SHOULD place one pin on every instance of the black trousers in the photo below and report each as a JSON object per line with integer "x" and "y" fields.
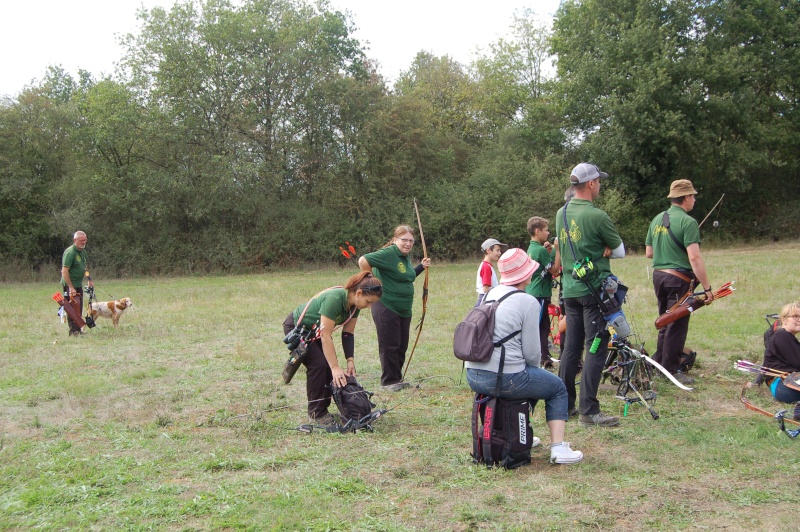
{"x": 318, "y": 375}
{"x": 544, "y": 328}
{"x": 584, "y": 322}
{"x": 393, "y": 333}
{"x": 672, "y": 338}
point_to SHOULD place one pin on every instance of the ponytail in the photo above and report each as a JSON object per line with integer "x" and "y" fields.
{"x": 364, "y": 281}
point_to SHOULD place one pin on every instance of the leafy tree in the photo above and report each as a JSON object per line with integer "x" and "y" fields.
{"x": 658, "y": 90}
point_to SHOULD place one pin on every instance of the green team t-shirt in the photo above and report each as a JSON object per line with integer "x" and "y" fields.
{"x": 75, "y": 260}
{"x": 331, "y": 303}
{"x": 666, "y": 253}
{"x": 542, "y": 281}
{"x": 591, "y": 231}
{"x": 397, "y": 275}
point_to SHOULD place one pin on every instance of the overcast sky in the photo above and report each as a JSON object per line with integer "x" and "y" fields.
{"x": 83, "y": 33}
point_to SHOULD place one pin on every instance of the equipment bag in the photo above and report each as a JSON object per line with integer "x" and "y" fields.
{"x": 501, "y": 432}
{"x": 353, "y": 402}
{"x": 473, "y": 340}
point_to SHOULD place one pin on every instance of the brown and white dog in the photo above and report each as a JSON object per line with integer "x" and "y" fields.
{"x": 111, "y": 309}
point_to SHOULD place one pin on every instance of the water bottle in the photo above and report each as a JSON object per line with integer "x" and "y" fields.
{"x": 595, "y": 344}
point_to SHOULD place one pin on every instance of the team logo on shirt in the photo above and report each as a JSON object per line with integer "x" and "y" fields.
{"x": 401, "y": 267}
{"x": 574, "y": 232}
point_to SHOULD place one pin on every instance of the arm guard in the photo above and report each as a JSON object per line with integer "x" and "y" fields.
{"x": 348, "y": 345}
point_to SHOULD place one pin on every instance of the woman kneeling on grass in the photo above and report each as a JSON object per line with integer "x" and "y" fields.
{"x": 522, "y": 377}
{"x": 327, "y": 310}
{"x": 783, "y": 354}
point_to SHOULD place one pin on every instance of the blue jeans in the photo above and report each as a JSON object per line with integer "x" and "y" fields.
{"x": 532, "y": 384}
{"x": 783, "y": 393}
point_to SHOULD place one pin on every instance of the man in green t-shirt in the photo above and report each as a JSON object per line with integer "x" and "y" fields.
{"x": 673, "y": 242}
{"x": 541, "y": 287}
{"x": 73, "y": 271}
{"x": 585, "y": 232}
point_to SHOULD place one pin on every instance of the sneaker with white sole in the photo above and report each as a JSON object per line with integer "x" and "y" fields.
{"x": 600, "y": 419}
{"x": 396, "y": 387}
{"x": 561, "y": 453}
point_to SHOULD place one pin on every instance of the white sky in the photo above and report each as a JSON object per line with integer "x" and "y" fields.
{"x": 83, "y": 33}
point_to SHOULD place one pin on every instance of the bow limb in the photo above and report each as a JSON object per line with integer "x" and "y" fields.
{"x": 424, "y": 291}
{"x": 750, "y": 406}
{"x": 666, "y": 373}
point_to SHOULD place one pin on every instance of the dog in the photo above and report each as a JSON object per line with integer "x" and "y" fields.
{"x": 111, "y": 309}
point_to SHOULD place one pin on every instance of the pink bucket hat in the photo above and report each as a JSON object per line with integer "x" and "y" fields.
{"x": 515, "y": 266}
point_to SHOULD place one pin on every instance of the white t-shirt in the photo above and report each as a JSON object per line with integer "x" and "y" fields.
{"x": 483, "y": 274}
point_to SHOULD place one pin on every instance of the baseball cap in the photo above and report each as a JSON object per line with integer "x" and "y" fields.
{"x": 585, "y": 172}
{"x": 489, "y": 242}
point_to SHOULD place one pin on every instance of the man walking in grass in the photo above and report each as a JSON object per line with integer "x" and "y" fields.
{"x": 73, "y": 272}
{"x": 673, "y": 242}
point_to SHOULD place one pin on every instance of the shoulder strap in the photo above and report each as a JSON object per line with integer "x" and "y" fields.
{"x": 501, "y": 344}
{"x": 665, "y": 223}
{"x": 488, "y": 425}
{"x": 566, "y": 230}
{"x": 503, "y": 297}
{"x": 477, "y": 428}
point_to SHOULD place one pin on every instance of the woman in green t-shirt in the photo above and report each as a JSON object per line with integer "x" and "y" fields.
{"x": 392, "y": 314}
{"x": 325, "y": 312}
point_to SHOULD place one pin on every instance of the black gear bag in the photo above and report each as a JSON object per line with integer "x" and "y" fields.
{"x": 353, "y": 402}
{"x": 501, "y": 432}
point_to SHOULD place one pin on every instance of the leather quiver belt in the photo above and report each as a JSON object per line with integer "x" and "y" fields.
{"x": 676, "y": 273}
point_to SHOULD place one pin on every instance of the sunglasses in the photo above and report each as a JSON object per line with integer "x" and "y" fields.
{"x": 374, "y": 289}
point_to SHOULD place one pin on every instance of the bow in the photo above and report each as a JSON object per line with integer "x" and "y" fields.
{"x": 424, "y": 291}
{"x": 666, "y": 373}
{"x": 779, "y": 416}
{"x": 709, "y": 213}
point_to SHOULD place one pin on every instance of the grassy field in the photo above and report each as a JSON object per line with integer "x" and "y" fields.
{"x": 178, "y": 419}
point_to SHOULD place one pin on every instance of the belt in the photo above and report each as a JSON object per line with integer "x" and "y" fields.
{"x": 677, "y": 274}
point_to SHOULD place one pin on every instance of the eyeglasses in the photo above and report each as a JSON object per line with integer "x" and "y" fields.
{"x": 794, "y": 317}
{"x": 407, "y": 240}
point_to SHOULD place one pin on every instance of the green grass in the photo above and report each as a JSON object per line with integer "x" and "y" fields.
{"x": 179, "y": 420}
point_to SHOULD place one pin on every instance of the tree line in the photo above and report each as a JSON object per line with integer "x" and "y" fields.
{"x": 233, "y": 138}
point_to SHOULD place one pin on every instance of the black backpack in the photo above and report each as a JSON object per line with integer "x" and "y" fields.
{"x": 473, "y": 340}
{"x": 501, "y": 432}
{"x": 355, "y": 407}
{"x": 768, "y": 334}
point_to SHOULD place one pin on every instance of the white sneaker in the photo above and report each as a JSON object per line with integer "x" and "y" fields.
{"x": 560, "y": 453}
{"x": 536, "y": 442}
